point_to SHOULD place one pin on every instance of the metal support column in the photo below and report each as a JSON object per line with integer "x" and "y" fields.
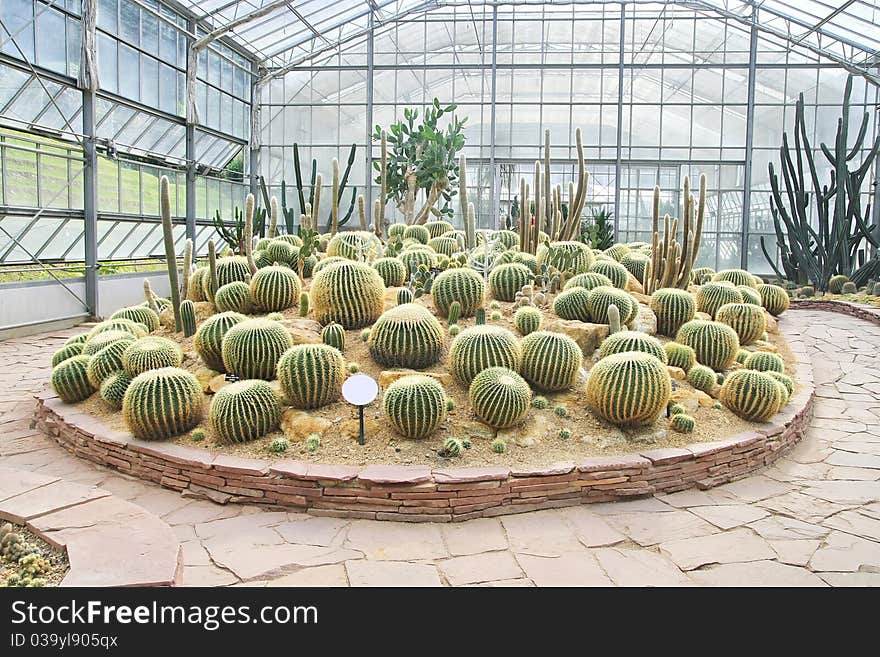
{"x": 493, "y": 191}
{"x": 190, "y": 157}
{"x": 750, "y": 132}
{"x": 368, "y": 155}
{"x": 90, "y": 201}
{"x": 255, "y": 140}
{"x": 619, "y": 156}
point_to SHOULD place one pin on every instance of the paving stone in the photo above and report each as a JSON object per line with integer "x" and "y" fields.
{"x": 198, "y": 511}
{"x": 568, "y": 569}
{"x": 207, "y": 576}
{"x": 851, "y": 579}
{"x": 474, "y": 536}
{"x": 329, "y": 575}
{"x": 795, "y": 552}
{"x": 311, "y": 531}
{"x": 737, "y": 545}
{"x": 628, "y": 567}
{"x": 652, "y": 528}
{"x": 241, "y": 524}
{"x": 730, "y": 515}
{"x": 47, "y": 499}
{"x": 395, "y": 541}
{"x": 783, "y": 528}
{"x": 853, "y": 460}
{"x": 476, "y": 568}
{"x": 756, "y": 573}
{"x": 194, "y": 554}
{"x": 15, "y": 482}
{"x": 853, "y": 474}
{"x": 550, "y": 533}
{"x": 803, "y": 507}
{"x": 843, "y": 552}
{"x": 693, "y": 497}
{"x": 391, "y": 573}
{"x": 845, "y": 492}
{"x": 756, "y": 488}
{"x": 645, "y": 504}
{"x": 855, "y": 523}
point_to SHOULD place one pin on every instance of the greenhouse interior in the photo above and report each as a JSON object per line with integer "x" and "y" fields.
{"x": 509, "y": 292}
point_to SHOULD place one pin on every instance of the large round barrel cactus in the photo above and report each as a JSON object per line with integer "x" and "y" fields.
{"x": 617, "y": 251}
{"x": 135, "y": 329}
{"x": 573, "y": 303}
{"x": 680, "y": 355}
{"x": 251, "y": 348}
{"x": 588, "y": 280}
{"x": 397, "y": 230}
{"x": 232, "y": 268}
{"x": 581, "y": 256}
{"x": 392, "y": 271}
{"x": 601, "y": 297}
{"x": 711, "y": 296}
{"x": 414, "y": 257}
{"x": 417, "y": 232}
{"x": 624, "y": 341}
{"x": 113, "y": 388}
{"x": 527, "y": 259}
{"x": 480, "y": 347}
{"x": 275, "y": 288}
{"x": 151, "y": 353}
{"x": 751, "y": 295}
{"x": 162, "y": 403}
{"x": 415, "y": 405}
{"x": 234, "y": 297}
{"x": 714, "y": 343}
{"x": 747, "y": 320}
{"x": 508, "y": 279}
{"x": 836, "y": 283}
{"x": 765, "y": 361}
{"x": 444, "y": 245}
{"x": 673, "y": 307}
{"x": 67, "y": 351}
{"x": 629, "y": 389}
{"x": 438, "y": 228}
{"x": 527, "y": 319}
{"x": 460, "y": 284}
{"x": 139, "y": 315}
{"x": 735, "y": 276}
{"x": 550, "y": 361}
{"x": 106, "y": 362}
{"x": 406, "y": 336}
{"x": 636, "y": 264}
{"x": 208, "y": 341}
{"x": 355, "y": 245}
{"x": 348, "y": 293}
{"x": 279, "y": 251}
{"x": 753, "y": 395}
{"x": 774, "y": 299}
{"x": 244, "y": 411}
{"x": 311, "y": 375}
{"x": 70, "y": 379}
{"x": 614, "y": 271}
{"x": 326, "y": 262}
{"x": 500, "y": 397}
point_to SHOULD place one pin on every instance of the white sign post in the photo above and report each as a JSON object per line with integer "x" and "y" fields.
{"x": 360, "y": 390}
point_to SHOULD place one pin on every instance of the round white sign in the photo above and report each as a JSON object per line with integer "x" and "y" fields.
{"x": 360, "y": 389}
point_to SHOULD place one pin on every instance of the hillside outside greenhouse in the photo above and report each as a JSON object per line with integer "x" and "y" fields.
{"x": 382, "y": 293}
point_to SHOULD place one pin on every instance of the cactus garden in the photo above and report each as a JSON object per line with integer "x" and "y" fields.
{"x": 510, "y": 346}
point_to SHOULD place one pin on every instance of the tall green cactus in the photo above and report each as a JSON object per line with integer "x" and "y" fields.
{"x": 170, "y": 255}
{"x": 187, "y": 268}
{"x": 211, "y": 284}
{"x": 500, "y": 397}
{"x": 162, "y": 403}
{"x": 311, "y": 375}
{"x": 188, "y": 318}
{"x": 629, "y": 388}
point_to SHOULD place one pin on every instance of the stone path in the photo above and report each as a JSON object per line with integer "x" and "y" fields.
{"x": 811, "y": 519}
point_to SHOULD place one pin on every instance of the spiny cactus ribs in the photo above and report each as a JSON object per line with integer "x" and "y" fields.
{"x": 480, "y": 347}
{"x": 349, "y": 293}
{"x": 406, "y": 336}
{"x": 162, "y": 403}
{"x": 629, "y": 389}
{"x": 243, "y": 411}
{"x": 500, "y": 397}
{"x": 415, "y": 405}
{"x": 311, "y": 375}
{"x": 550, "y": 361}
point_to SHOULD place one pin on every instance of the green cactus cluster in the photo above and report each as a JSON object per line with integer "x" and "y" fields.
{"x": 151, "y": 353}
{"x": 632, "y": 341}
{"x": 753, "y": 395}
{"x": 765, "y": 361}
{"x": 275, "y": 288}
{"x": 392, "y": 271}
{"x": 349, "y": 293}
{"x": 334, "y": 335}
{"x": 711, "y": 296}
{"x": 70, "y": 380}
{"x": 208, "y": 342}
{"x": 415, "y": 405}
{"x": 480, "y": 347}
{"x": 113, "y": 388}
{"x": 508, "y": 279}
{"x": 573, "y": 303}
{"x": 550, "y": 361}
{"x": 311, "y": 375}
{"x": 680, "y": 355}
{"x": 527, "y": 319}
{"x": 407, "y": 336}
{"x": 673, "y": 307}
{"x": 245, "y": 410}
{"x": 500, "y": 397}
{"x": 251, "y": 349}
{"x": 629, "y": 389}
{"x": 234, "y": 297}
{"x": 775, "y": 299}
{"x": 162, "y": 403}
{"x": 714, "y": 343}
{"x": 746, "y": 319}
{"x": 459, "y": 284}
{"x": 139, "y": 315}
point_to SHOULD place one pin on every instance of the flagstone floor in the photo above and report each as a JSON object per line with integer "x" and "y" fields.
{"x": 811, "y": 519}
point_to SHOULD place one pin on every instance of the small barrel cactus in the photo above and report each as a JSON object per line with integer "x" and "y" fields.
{"x": 404, "y": 295}
{"x": 234, "y": 297}
{"x": 675, "y": 409}
{"x": 528, "y": 319}
{"x": 279, "y": 251}
{"x": 311, "y": 375}
{"x": 480, "y": 347}
{"x": 500, "y": 397}
{"x": 508, "y": 279}
{"x": 208, "y": 342}
{"x": 232, "y": 268}
{"x": 334, "y": 335}
{"x": 452, "y": 447}
{"x": 603, "y": 296}
{"x": 614, "y": 271}
{"x": 711, "y": 296}
{"x": 392, "y": 271}
{"x": 355, "y": 245}
{"x": 70, "y": 379}
{"x": 629, "y": 389}
{"x": 77, "y": 339}
{"x": 632, "y": 341}
{"x": 588, "y": 281}
{"x": 349, "y": 293}
{"x": 106, "y": 362}
{"x": 162, "y": 403}
{"x": 753, "y": 395}
{"x": 775, "y": 299}
{"x": 151, "y": 353}
{"x": 702, "y": 378}
{"x": 849, "y": 288}
{"x": 415, "y": 405}
{"x": 550, "y": 361}
{"x": 836, "y": 283}
{"x": 113, "y": 388}
{"x": 66, "y": 352}
{"x": 636, "y": 264}
{"x": 245, "y": 410}
{"x": 417, "y": 232}
{"x": 741, "y": 356}
{"x": 498, "y": 446}
{"x": 751, "y": 295}
{"x": 139, "y": 315}
{"x": 573, "y": 303}
{"x": 785, "y": 380}
{"x": 735, "y": 276}
{"x": 438, "y": 228}
{"x": 275, "y": 288}
{"x": 279, "y": 446}
{"x": 714, "y": 343}
{"x": 746, "y": 319}
{"x": 673, "y": 307}
{"x": 680, "y": 355}
{"x": 251, "y": 349}
{"x": 406, "y": 336}
{"x": 188, "y": 318}
{"x": 765, "y": 361}
{"x": 683, "y": 423}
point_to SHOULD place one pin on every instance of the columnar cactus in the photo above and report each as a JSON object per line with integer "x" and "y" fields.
{"x": 747, "y": 320}
{"x": 588, "y": 280}
{"x": 245, "y": 410}
{"x": 234, "y": 297}
{"x": 70, "y": 379}
{"x": 188, "y": 318}
{"x": 632, "y": 341}
{"x": 702, "y": 378}
{"x": 392, "y": 271}
{"x": 735, "y": 276}
{"x": 753, "y": 395}
{"x": 550, "y": 361}
{"x": 500, "y": 397}
{"x": 680, "y": 355}
{"x": 275, "y": 288}
{"x": 113, "y": 388}
{"x": 711, "y": 296}
{"x": 774, "y": 299}
{"x": 106, "y": 362}
{"x": 454, "y": 312}
{"x": 334, "y": 335}
{"x": 417, "y": 232}
{"x": 209, "y": 338}
{"x": 232, "y": 268}
{"x": 139, "y": 315}
{"x": 463, "y": 285}
{"x": 508, "y": 279}
{"x": 629, "y": 389}
{"x": 751, "y": 295}
{"x": 311, "y": 375}
{"x": 601, "y": 297}
{"x": 168, "y": 241}
{"x": 765, "y": 361}
{"x": 614, "y": 271}
{"x": 349, "y": 293}
{"x": 67, "y": 351}
{"x": 715, "y": 344}
{"x": 673, "y": 307}
{"x": 573, "y": 303}
{"x": 480, "y": 347}
{"x": 527, "y": 319}
{"x": 303, "y": 304}
{"x": 162, "y": 403}
{"x": 210, "y": 284}
{"x": 251, "y": 349}
{"x": 415, "y": 405}
{"x": 151, "y": 353}
{"x": 406, "y": 336}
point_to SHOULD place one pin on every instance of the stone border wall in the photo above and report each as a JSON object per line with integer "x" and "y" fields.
{"x": 419, "y": 493}
{"x": 868, "y": 313}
